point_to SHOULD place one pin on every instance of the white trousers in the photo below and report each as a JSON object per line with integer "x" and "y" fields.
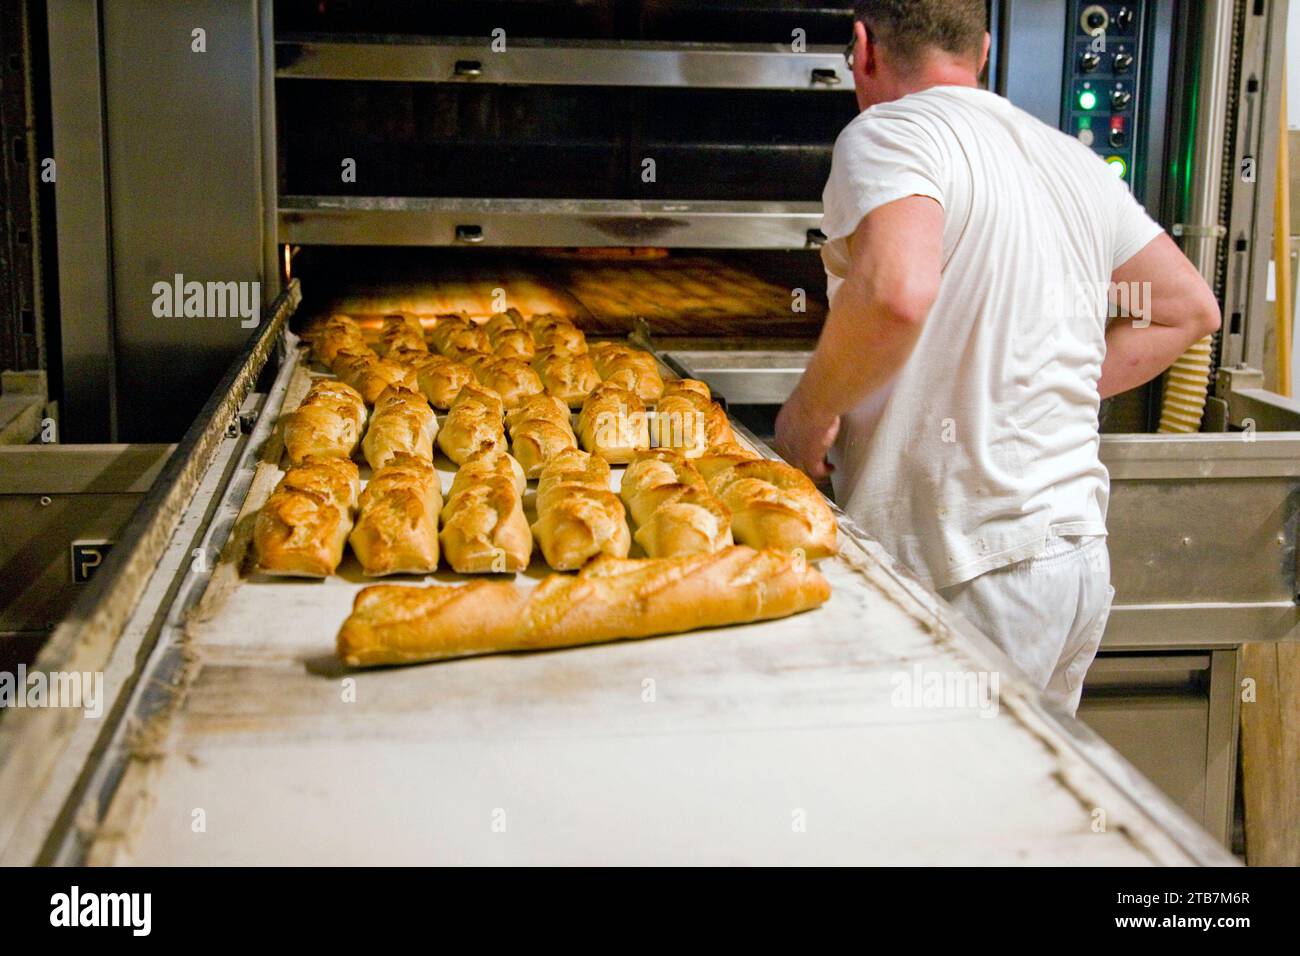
{"x": 1047, "y": 613}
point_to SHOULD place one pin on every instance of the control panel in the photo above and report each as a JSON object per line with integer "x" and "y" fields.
{"x": 1103, "y": 66}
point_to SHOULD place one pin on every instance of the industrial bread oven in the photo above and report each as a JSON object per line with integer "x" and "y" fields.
{"x": 652, "y": 168}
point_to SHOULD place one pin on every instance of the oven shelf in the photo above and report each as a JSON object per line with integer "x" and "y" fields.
{"x": 522, "y": 223}
{"x": 571, "y": 63}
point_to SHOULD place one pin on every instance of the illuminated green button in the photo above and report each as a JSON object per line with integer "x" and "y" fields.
{"x": 1087, "y": 100}
{"x": 1117, "y": 166}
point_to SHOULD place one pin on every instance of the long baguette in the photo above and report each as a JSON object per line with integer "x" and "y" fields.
{"x": 611, "y": 599}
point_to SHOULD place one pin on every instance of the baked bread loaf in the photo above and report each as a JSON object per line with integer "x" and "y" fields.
{"x": 333, "y": 335}
{"x": 473, "y": 424}
{"x": 439, "y": 378}
{"x": 508, "y": 333}
{"x": 402, "y": 422}
{"x": 539, "y": 430}
{"x": 722, "y": 457}
{"x": 401, "y": 333}
{"x": 569, "y": 377}
{"x": 578, "y": 519}
{"x": 489, "y": 463}
{"x": 572, "y": 467}
{"x": 687, "y": 419}
{"x": 628, "y": 368}
{"x": 675, "y": 512}
{"x": 510, "y": 378}
{"x": 613, "y": 424}
{"x": 484, "y": 530}
{"x": 558, "y": 334}
{"x": 774, "y": 505}
{"x": 396, "y": 530}
{"x": 303, "y": 527}
{"x": 370, "y": 375}
{"x": 328, "y": 423}
{"x": 608, "y": 600}
{"x": 458, "y": 337}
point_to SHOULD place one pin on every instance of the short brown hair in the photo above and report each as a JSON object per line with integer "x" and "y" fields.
{"x": 908, "y": 28}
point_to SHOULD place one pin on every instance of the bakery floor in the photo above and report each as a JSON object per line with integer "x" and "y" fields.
{"x": 780, "y": 742}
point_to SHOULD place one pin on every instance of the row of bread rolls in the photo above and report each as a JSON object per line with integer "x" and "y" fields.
{"x": 610, "y": 599}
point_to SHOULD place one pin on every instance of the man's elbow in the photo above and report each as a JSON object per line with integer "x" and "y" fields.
{"x": 909, "y": 303}
{"x": 1211, "y": 318}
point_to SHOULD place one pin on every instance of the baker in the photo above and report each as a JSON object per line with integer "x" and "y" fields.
{"x": 954, "y": 394}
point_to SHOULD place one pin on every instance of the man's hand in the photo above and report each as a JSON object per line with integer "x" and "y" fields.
{"x": 805, "y": 443}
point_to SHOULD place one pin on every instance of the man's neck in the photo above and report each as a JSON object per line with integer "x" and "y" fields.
{"x": 940, "y": 71}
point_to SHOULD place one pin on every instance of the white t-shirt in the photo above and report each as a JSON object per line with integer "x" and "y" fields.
{"x": 987, "y": 440}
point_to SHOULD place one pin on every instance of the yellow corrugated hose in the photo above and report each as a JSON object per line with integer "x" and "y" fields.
{"x": 1187, "y": 388}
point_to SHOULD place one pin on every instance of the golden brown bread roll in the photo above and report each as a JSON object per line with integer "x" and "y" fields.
{"x": 774, "y": 505}
{"x": 508, "y": 333}
{"x": 614, "y": 424}
{"x": 572, "y": 467}
{"x": 689, "y": 421}
{"x": 578, "y": 519}
{"x": 401, "y": 333}
{"x": 328, "y": 423}
{"x": 439, "y": 378}
{"x": 396, "y": 530}
{"x": 484, "y": 530}
{"x": 510, "y": 378}
{"x": 402, "y": 422}
{"x": 628, "y": 368}
{"x": 557, "y": 334}
{"x": 458, "y": 337}
{"x": 540, "y": 429}
{"x": 570, "y": 378}
{"x": 334, "y": 335}
{"x": 491, "y": 462}
{"x": 370, "y": 375}
{"x": 675, "y": 512}
{"x": 473, "y": 424}
{"x": 303, "y": 527}
{"x": 608, "y": 600}
{"x": 722, "y": 457}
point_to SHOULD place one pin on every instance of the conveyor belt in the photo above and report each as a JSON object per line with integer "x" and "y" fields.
{"x": 784, "y": 742}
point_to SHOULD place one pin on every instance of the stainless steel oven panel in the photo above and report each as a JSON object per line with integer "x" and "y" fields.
{"x": 563, "y": 62}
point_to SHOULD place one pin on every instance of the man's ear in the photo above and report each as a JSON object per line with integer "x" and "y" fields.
{"x": 984, "y": 57}
{"x": 866, "y": 62}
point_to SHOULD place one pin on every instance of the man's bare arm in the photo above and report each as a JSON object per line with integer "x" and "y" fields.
{"x": 1181, "y": 308}
{"x": 874, "y": 324}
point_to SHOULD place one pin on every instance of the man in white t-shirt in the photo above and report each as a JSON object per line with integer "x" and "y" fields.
{"x": 954, "y": 394}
